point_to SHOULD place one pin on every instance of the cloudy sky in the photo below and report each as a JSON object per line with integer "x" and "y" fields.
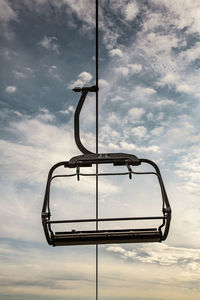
{"x": 149, "y": 106}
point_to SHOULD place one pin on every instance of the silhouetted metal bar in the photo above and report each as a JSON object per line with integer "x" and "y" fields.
{"x": 76, "y": 120}
{"x": 106, "y": 220}
{"x": 105, "y": 174}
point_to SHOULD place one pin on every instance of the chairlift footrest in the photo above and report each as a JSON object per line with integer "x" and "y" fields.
{"x": 106, "y": 237}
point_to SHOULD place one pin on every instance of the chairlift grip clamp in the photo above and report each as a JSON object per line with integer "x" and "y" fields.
{"x": 86, "y": 89}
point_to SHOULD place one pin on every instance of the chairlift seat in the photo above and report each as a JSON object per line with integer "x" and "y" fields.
{"x": 91, "y": 237}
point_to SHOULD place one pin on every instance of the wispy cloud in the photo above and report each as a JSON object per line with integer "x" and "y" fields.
{"x": 19, "y": 75}
{"x": 188, "y": 168}
{"x": 32, "y": 278}
{"x": 25, "y": 161}
{"x": 6, "y": 12}
{"x": 53, "y": 72}
{"x": 49, "y": 43}
{"x": 139, "y": 131}
{"x": 161, "y": 254}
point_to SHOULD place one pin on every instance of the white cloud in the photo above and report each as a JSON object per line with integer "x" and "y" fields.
{"x": 157, "y": 131}
{"x": 83, "y": 78}
{"x": 188, "y": 169}
{"x": 161, "y": 254}
{"x": 113, "y": 118}
{"x": 53, "y": 72}
{"x": 131, "y": 10}
{"x": 103, "y": 83}
{"x": 180, "y": 9}
{"x": 67, "y": 111}
{"x": 49, "y": 43}
{"x": 182, "y": 132}
{"x": 113, "y": 147}
{"x": 142, "y": 93}
{"x": 153, "y": 148}
{"x": 19, "y": 75}
{"x": 154, "y": 49}
{"x": 6, "y": 12}
{"x": 29, "y": 70}
{"x": 84, "y": 11}
{"x": 190, "y": 84}
{"x": 169, "y": 79}
{"x": 136, "y": 112}
{"x": 116, "y": 52}
{"x": 11, "y": 89}
{"x": 134, "y": 68}
{"x": 139, "y": 131}
{"x": 33, "y": 271}
{"x": 116, "y": 99}
{"x": 129, "y": 69}
{"x": 150, "y": 116}
{"x": 165, "y": 102}
{"x": 183, "y": 84}
{"x": 53, "y": 67}
{"x": 185, "y": 88}
{"x": 124, "y": 71}
{"x": 127, "y": 10}
{"x": 128, "y": 146}
{"x": 191, "y": 54}
{"x": 36, "y": 145}
{"x": 140, "y": 149}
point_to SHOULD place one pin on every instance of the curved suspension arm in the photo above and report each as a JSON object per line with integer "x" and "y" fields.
{"x": 166, "y": 204}
{"x": 84, "y": 91}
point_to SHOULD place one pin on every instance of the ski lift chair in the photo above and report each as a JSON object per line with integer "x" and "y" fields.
{"x": 109, "y": 236}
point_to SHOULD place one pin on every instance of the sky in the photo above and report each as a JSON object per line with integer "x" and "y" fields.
{"x": 149, "y": 68}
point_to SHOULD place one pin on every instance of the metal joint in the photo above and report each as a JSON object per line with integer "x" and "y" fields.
{"x": 129, "y": 169}
{"x": 78, "y": 173}
{"x": 46, "y": 215}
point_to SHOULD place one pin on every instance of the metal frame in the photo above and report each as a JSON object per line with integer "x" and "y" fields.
{"x": 105, "y": 236}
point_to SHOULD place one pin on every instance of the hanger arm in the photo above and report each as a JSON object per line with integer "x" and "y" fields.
{"x": 84, "y": 91}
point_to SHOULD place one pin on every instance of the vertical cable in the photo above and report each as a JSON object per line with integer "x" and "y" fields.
{"x": 97, "y": 75}
{"x": 97, "y": 137}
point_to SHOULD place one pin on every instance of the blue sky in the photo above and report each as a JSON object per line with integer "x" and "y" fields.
{"x": 149, "y": 106}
